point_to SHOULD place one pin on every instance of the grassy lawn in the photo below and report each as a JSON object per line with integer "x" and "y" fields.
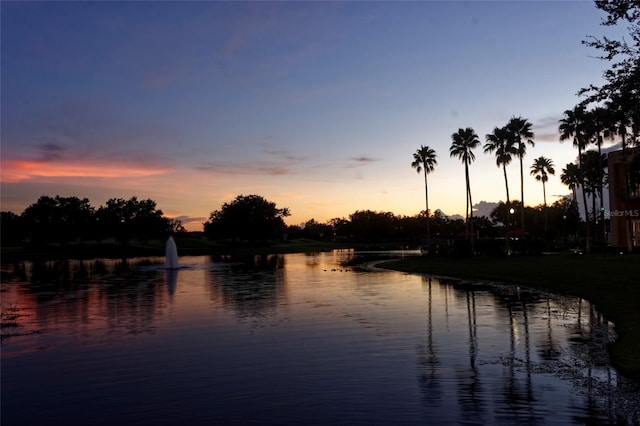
{"x": 612, "y": 283}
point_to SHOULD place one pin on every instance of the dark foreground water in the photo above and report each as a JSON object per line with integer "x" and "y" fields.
{"x": 296, "y": 340}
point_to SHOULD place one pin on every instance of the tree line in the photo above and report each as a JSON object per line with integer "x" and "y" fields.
{"x": 252, "y": 219}
{"x": 71, "y": 219}
{"x": 608, "y": 111}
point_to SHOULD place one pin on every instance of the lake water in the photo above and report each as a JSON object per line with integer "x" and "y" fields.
{"x": 296, "y": 339}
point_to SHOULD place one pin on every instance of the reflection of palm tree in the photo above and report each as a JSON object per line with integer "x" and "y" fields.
{"x": 462, "y": 145}
{"x": 548, "y": 349}
{"x": 520, "y": 133}
{"x": 429, "y": 361}
{"x": 541, "y": 169}
{"x": 424, "y": 159}
{"x": 527, "y": 342}
{"x": 471, "y": 403}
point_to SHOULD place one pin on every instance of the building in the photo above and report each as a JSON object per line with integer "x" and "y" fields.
{"x": 624, "y": 197}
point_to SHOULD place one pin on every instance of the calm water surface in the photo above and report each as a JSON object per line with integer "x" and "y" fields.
{"x": 296, "y": 339}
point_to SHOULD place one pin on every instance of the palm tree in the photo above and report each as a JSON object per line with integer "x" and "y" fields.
{"x": 500, "y": 143}
{"x": 520, "y": 133}
{"x": 541, "y": 169}
{"x": 601, "y": 123}
{"x": 462, "y": 145}
{"x": 571, "y": 176}
{"x": 593, "y": 175}
{"x": 572, "y": 125}
{"x": 424, "y": 159}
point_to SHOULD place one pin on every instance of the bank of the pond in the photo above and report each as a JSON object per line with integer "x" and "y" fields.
{"x": 187, "y": 246}
{"x": 612, "y": 283}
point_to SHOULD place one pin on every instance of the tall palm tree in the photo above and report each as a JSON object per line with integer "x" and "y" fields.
{"x": 520, "y": 134}
{"x": 500, "y": 143}
{"x": 571, "y": 176}
{"x": 572, "y": 126}
{"x": 601, "y": 124}
{"x": 462, "y": 145}
{"x": 424, "y": 159}
{"x": 541, "y": 169}
{"x": 593, "y": 175}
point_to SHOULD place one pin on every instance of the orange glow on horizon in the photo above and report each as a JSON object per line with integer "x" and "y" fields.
{"x": 21, "y": 170}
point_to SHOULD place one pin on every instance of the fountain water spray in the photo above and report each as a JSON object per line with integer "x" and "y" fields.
{"x": 171, "y": 254}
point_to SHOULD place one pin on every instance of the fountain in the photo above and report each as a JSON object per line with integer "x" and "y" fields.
{"x": 171, "y": 255}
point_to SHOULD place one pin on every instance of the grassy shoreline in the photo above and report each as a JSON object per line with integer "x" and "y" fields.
{"x": 612, "y": 283}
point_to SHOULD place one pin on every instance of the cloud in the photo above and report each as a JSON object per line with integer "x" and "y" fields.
{"x": 284, "y": 154}
{"x": 50, "y": 151}
{"x": 186, "y": 220}
{"x": 546, "y": 129}
{"x": 249, "y": 168}
{"x": 22, "y": 170}
{"x": 361, "y": 161}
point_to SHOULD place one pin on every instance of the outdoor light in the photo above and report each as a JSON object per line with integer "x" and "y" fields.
{"x": 511, "y": 210}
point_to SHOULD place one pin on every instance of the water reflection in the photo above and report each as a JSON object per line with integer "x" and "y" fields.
{"x": 305, "y": 339}
{"x": 251, "y": 287}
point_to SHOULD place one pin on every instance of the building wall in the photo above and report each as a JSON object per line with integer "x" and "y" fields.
{"x": 624, "y": 203}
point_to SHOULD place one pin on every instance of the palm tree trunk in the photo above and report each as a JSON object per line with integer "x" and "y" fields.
{"x": 577, "y": 234}
{"x": 593, "y": 210}
{"x": 466, "y": 179}
{"x": 521, "y": 197}
{"x": 470, "y": 207}
{"x": 544, "y": 205}
{"x": 506, "y": 211}
{"x": 426, "y": 198}
{"x": 586, "y": 207}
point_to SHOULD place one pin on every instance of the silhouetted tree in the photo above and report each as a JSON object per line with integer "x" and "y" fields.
{"x": 12, "y": 230}
{"x": 541, "y": 169}
{"x": 368, "y": 225}
{"x": 316, "y": 230}
{"x": 594, "y": 175}
{"x": 59, "y": 219}
{"x": 247, "y": 218}
{"x": 424, "y": 160}
{"x": 621, "y": 90}
{"x": 571, "y": 178}
{"x": 131, "y": 219}
{"x": 462, "y": 145}
{"x": 573, "y": 126}
{"x": 520, "y": 134}
{"x": 504, "y": 148}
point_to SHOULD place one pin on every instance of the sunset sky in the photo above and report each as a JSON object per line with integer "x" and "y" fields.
{"x": 316, "y": 106}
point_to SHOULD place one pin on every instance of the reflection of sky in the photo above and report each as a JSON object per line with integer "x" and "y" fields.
{"x": 306, "y": 104}
{"x": 312, "y": 340}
